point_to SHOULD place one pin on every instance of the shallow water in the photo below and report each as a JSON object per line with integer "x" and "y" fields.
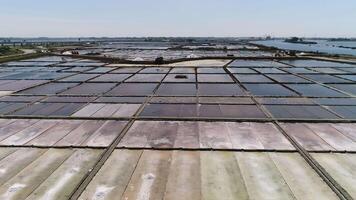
{"x": 322, "y": 46}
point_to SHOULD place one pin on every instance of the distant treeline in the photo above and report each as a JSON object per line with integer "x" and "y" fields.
{"x": 298, "y": 41}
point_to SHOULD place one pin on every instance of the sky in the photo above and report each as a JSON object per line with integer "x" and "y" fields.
{"x": 173, "y": 18}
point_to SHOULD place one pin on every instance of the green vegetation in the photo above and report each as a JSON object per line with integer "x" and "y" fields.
{"x": 6, "y": 50}
{"x": 17, "y": 57}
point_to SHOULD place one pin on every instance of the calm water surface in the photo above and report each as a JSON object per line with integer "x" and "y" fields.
{"x": 323, "y": 46}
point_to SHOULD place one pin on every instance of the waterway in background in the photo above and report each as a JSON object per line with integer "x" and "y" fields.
{"x": 323, "y": 46}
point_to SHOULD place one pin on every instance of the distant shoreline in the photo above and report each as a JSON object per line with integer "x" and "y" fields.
{"x": 300, "y": 42}
{"x": 296, "y": 40}
{"x": 342, "y": 40}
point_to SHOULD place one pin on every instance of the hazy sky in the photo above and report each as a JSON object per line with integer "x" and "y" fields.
{"x": 79, "y": 18}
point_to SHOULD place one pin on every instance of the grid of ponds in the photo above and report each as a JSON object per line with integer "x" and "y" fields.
{"x": 177, "y": 132}
{"x": 245, "y": 89}
{"x": 168, "y": 52}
